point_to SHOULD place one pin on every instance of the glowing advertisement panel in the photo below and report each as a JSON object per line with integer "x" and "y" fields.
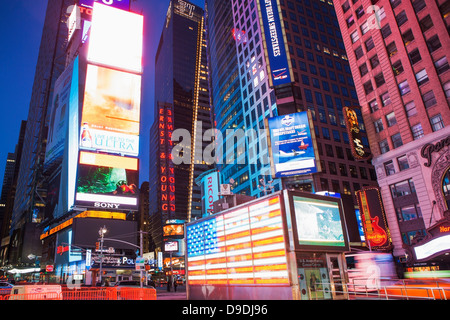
{"x": 239, "y": 247}
{"x": 111, "y": 111}
{"x": 433, "y": 247}
{"x": 116, "y": 38}
{"x": 318, "y": 222}
{"x": 119, "y": 4}
{"x": 107, "y": 187}
{"x": 293, "y": 150}
{"x": 57, "y": 127}
{"x": 275, "y": 48}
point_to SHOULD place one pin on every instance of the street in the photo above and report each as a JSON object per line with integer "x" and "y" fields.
{"x": 163, "y": 294}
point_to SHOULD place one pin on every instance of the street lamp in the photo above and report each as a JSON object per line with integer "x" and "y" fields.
{"x": 101, "y": 232}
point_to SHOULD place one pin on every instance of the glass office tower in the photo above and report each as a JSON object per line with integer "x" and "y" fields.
{"x": 181, "y": 106}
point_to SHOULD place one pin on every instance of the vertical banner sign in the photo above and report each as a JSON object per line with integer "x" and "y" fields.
{"x": 279, "y": 66}
{"x": 373, "y": 217}
{"x": 292, "y": 145}
{"x": 352, "y": 124}
{"x": 167, "y": 170}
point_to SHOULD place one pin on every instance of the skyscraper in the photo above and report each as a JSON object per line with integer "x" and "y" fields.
{"x": 321, "y": 83}
{"x": 398, "y": 53}
{"x": 30, "y": 193}
{"x": 181, "y": 107}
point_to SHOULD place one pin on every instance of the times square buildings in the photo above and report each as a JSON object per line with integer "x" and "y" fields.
{"x": 241, "y": 96}
{"x": 398, "y": 53}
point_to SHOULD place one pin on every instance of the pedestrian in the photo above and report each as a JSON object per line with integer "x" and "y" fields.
{"x": 175, "y": 285}
{"x": 169, "y": 284}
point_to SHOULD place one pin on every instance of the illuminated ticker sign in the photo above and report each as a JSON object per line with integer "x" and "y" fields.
{"x": 167, "y": 170}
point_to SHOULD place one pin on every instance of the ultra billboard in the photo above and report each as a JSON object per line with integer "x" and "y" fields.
{"x": 111, "y": 111}
{"x": 107, "y": 183}
{"x": 116, "y": 38}
{"x": 292, "y": 145}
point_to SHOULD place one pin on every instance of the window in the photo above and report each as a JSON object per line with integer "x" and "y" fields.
{"x": 417, "y": 131}
{"x": 365, "y": 27}
{"x": 378, "y": 124}
{"x": 353, "y": 172}
{"x": 418, "y": 5}
{"x": 403, "y": 163}
{"x": 401, "y": 18}
{"x": 441, "y": 65}
{"x": 429, "y": 99}
{"x": 359, "y": 12}
{"x": 437, "y": 123}
{"x": 350, "y": 21}
{"x": 395, "y": 3}
{"x": 385, "y": 99}
{"x": 402, "y": 188}
{"x": 335, "y": 186}
{"x": 355, "y": 36}
{"x": 326, "y": 133}
{"x": 422, "y": 77}
{"x": 397, "y": 140}
{"x": 359, "y": 52}
{"x": 332, "y": 167}
{"x": 379, "y": 80}
{"x": 363, "y": 69}
{"x": 409, "y": 212}
{"x": 339, "y": 152}
{"x": 343, "y": 169}
{"x": 363, "y": 172}
{"x": 414, "y": 56}
{"x": 426, "y": 23}
{"x": 386, "y": 31}
{"x": 374, "y": 61}
{"x": 404, "y": 87}
{"x": 447, "y": 89}
{"x": 397, "y": 67}
{"x": 345, "y": 6}
{"x": 389, "y": 168}
{"x": 369, "y": 44}
{"x": 368, "y": 87}
{"x": 390, "y": 119}
{"x": 384, "y": 146}
{"x": 433, "y": 43}
{"x": 373, "y": 105}
{"x": 410, "y": 109}
{"x": 408, "y": 36}
{"x": 391, "y": 49}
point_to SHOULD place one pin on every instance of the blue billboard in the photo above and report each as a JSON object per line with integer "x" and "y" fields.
{"x": 279, "y": 62}
{"x": 119, "y": 4}
{"x": 293, "y": 145}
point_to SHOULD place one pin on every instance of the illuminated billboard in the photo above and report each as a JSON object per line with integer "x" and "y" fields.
{"x": 373, "y": 217}
{"x": 59, "y": 115}
{"x": 173, "y": 230}
{"x": 274, "y": 43}
{"x": 293, "y": 145}
{"x": 116, "y": 38}
{"x": 111, "y": 111}
{"x": 245, "y": 246}
{"x": 112, "y": 186}
{"x": 119, "y": 4}
{"x": 353, "y": 130}
{"x": 318, "y": 222}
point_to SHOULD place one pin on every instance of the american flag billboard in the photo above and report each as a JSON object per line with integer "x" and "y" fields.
{"x": 245, "y": 246}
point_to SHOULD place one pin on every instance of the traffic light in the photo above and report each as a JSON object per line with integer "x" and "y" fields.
{"x": 97, "y": 246}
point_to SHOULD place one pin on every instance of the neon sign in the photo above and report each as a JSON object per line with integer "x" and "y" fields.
{"x": 167, "y": 171}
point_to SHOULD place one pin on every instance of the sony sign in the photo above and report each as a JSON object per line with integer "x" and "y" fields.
{"x": 105, "y": 205}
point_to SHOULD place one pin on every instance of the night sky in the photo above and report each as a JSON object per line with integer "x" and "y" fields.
{"x": 21, "y": 23}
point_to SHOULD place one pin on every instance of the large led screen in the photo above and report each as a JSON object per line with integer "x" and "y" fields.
{"x": 116, "y": 38}
{"x": 245, "y": 246}
{"x": 107, "y": 187}
{"x": 111, "y": 111}
{"x": 318, "y": 222}
{"x": 293, "y": 150}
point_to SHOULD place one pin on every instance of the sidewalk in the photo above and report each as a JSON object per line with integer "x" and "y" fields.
{"x": 163, "y": 294}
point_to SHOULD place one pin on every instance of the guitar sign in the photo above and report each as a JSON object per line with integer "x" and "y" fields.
{"x": 376, "y": 236}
